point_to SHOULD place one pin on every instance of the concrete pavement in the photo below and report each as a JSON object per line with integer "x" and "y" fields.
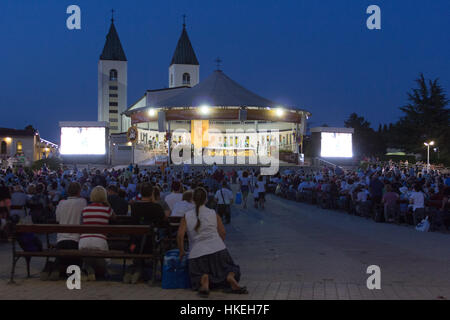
{"x": 289, "y": 250}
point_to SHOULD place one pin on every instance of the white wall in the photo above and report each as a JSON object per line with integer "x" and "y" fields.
{"x": 28, "y": 147}
{"x": 177, "y": 71}
{"x": 104, "y": 67}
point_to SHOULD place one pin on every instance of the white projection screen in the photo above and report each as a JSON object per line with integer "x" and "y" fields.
{"x": 336, "y": 145}
{"x": 83, "y": 141}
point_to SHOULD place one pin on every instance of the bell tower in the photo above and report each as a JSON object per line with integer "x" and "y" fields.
{"x": 184, "y": 69}
{"x": 112, "y": 83}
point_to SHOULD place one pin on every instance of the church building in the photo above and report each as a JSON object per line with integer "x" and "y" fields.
{"x": 217, "y": 114}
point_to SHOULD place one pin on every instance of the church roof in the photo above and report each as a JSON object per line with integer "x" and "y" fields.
{"x": 184, "y": 53}
{"x": 16, "y": 132}
{"x": 153, "y": 97}
{"x": 113, "y": 48}
{"x": 217, "y": 90}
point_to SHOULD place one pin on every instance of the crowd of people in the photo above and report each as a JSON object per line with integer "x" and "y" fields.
{"x": 385, "y": 192}
{"x": 200, "y": 198}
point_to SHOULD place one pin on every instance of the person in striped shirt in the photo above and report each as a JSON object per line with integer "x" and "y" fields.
{"x": 98, "y": 212}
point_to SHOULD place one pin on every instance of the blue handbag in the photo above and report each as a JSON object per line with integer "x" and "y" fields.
{"x": 175, "y": 273}
{"x": 238, "y": 198}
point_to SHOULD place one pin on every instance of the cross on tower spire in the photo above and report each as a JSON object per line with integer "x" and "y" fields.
{"x": 112, "y": 15}
{"x": 184, "y": 20}
{"x": 218, "y": 62}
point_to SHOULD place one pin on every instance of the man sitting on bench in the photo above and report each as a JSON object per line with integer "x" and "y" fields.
{"x": 68, "y": 212}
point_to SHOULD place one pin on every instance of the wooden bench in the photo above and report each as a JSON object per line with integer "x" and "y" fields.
{"x": 170, "y": 242}
{"x": 147, "y": 232}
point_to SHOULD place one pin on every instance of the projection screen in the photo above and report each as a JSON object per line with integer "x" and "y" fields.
{"x": 83, "y": 141}
{"x": 336, "y": 145}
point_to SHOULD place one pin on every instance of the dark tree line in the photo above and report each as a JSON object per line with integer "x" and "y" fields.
{"x": 425, "y": 118}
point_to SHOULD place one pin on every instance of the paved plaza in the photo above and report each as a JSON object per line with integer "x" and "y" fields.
{"x": 288, "y": 251}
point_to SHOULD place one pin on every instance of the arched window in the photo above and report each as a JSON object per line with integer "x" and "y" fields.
{"x": 171, "y": 79}
{"x": 3, "y": 147}
{"x": 113, "y": 75}
{"x": 19, "y": 147}
{"x": 186, "y": 78}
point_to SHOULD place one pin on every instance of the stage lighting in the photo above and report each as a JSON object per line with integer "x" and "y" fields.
{"x": 204, "y": 110}
{"x": 279, "y": 112}
{"x": 151, "y": 112}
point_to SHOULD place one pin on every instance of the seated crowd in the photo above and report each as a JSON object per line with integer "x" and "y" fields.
{"x": 147, "y": 197}
{"x": 384, "y": 192}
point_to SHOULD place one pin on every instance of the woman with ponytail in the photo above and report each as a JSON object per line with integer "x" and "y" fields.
{"x": 210, "y": 264}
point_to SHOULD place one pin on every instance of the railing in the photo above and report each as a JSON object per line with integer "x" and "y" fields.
{"x": 321, "y": 162}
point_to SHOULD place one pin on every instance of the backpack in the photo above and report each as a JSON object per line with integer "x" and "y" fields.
{"x": 175, "y": 273}
{"x": 29, "y": 242}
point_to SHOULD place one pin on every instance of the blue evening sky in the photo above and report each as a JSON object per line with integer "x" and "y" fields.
{"x": 315, "y": 54}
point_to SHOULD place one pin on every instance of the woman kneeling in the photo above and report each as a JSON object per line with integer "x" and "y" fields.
{"x": 210, "y": 264}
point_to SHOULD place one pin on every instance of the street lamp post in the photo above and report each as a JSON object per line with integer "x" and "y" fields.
{"x": 428, "y": 144}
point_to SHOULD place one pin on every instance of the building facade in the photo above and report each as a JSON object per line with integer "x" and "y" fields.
{"x": 24, "y": 145}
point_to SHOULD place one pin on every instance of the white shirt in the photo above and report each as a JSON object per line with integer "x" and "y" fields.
{"x": 418, "y": 200}
{"x": 131, "y": 187}
{"x": 260, "y": 186}
{"x": 362, "y": 196}
{"x": 206, "y": 240}
{"x": 180, "y": 208}
{"x": 69, "y": 212}
{"x": 244, "y": 181}
{"x": 303, "y": 185}
{"x": 172, "y": 198}
{"x": 227, "y": 196}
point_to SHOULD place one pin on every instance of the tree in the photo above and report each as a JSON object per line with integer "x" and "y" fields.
{"x": 366, "y": 141}
{"x": 425, "y": 118}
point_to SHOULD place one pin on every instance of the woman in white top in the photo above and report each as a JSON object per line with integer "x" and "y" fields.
{"x": 244, "y": 183}
{"x": 261, "y": 190}
{"x": 210, "y": 264}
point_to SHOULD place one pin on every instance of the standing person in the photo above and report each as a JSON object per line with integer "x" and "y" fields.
{"x": 68, "y": 212}
{"x": 417, "y": 200}
{"x": 99, "y": 213}
{"x": 376, "y": 190}
{"x": 186, "y": 170}
{"x": 261, "y": 189}
{"x": 389, "y": 200}
{"x": 210, "y": 264}
{"x": 244, "y": 183}
{"x": 18, "y": 203}
{"x": 224, "y": 197}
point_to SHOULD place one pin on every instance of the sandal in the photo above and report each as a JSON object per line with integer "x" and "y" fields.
{"x": 203, "y": 293}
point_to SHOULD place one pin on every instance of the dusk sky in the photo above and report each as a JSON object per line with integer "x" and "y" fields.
{"x": 315, "y": 55}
